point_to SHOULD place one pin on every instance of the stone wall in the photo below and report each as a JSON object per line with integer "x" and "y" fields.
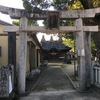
{"x": 6, "y": 80}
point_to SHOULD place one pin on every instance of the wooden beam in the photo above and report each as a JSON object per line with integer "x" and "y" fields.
{"x": 44, "y": 30}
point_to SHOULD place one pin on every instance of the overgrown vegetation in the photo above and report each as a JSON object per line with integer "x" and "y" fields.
{"x": 30, "y": 22}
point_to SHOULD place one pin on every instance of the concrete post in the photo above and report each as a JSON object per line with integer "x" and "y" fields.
{"x": 87, "y": 38}
{"x": 22, "y": 56}
{"x": 81, "y": 54}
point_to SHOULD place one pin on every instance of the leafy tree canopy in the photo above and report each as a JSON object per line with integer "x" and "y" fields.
{"x": 69, "y": 42}
{"x": 16, "y": 22}
{"x": 30, "y": 22}
{"x": 96, "y": 3}
{"x": 67, "y": 4}
{"x": 36, "y": 4}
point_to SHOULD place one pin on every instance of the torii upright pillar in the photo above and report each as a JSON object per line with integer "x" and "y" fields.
{"x": 81, "y": 54}
{"x": 22, "y": 56}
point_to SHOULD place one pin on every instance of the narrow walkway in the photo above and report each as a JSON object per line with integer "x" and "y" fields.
{"x": 53, "y": 84}
{"x": 53, "y": 79}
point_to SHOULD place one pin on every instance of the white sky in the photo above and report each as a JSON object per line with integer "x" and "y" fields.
{"x": 10, "y": 3}
{"x": 19, "y": 4}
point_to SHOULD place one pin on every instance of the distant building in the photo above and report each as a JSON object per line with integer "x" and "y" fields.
{"x": 53, "y": 50}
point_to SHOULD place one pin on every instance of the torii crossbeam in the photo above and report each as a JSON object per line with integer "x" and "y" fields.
{"x": 15, "y": 13}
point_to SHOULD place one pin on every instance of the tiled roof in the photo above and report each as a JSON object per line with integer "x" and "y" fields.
{"x": 54, "y": 45}
{"x": 5, "y": 23}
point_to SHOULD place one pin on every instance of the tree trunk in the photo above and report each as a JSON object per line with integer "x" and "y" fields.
{"x": 87, "y": 4}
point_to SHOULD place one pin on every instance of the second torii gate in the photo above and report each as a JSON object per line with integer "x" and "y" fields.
{"x": 82, "y": 39}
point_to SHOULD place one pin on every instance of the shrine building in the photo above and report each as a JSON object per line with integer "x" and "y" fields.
{"x": 52, "y": 50}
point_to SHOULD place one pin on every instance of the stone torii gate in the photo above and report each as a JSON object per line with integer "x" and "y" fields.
{"x": 82, "y": 39}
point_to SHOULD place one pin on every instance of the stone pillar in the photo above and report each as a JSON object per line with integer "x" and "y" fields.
{"x": 12, "y": 52}
{"x": 81, "y": 54}
{"x": 87, "y": 38}
{"x": 22, "y": 56}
